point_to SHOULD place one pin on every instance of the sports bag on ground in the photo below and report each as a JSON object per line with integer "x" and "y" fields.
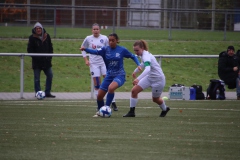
{"x": 214, "y": 87}
{"x": 199, "y": 94}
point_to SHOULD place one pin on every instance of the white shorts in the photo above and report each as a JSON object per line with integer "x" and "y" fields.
{"x": 157, "y": 85}
{"x": 98, "y": 70}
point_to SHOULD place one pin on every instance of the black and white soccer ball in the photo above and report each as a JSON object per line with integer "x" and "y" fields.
{"x": 40, "y": 95}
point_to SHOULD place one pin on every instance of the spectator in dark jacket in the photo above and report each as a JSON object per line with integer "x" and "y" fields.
{"x": 40, "y": 42}
{"x": 228, "y": 69}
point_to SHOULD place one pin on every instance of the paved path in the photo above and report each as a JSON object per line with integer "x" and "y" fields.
{"x": 86, "y": 95}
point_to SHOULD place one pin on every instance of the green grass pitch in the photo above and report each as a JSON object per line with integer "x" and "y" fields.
{"x": 48, "y": 129}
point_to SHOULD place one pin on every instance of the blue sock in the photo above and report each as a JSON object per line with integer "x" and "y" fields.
{"x": 100, "y": 103}
{"x": 109, "y": 99}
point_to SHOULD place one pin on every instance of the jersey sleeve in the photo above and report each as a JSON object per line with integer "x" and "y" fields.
{"x": 106, "y": 42}
{"x": 128, "y": 54}
{"x": 85, "y": 45}
{"x": 146, "y": 62}
{"x": 100, "y": 51}
{"x": 137, "y": 70}
{"x": 144, "y": 73}
{"x": 146, "y": 59}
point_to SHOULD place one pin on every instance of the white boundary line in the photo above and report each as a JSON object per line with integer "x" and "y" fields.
{"x": 172, "y": 108}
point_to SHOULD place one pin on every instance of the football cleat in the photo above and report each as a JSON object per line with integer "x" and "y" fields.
{"x": 164, "y": 113}
{"x": 114, "y": 106}
{"x": 129, "y": 114}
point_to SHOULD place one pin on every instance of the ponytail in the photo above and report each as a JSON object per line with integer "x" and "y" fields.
{"x": 142, "y": 44}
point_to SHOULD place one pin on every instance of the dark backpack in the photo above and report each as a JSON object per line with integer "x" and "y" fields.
{"x": 238, "y": 53}
{"x": 199, "y": 94}
{"x": 215, "y": 85}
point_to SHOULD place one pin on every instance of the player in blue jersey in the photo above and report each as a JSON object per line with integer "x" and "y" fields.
{"x": 152, "y": 77}
{"x": 95, "y": 62}
{"x": 113, "y": 56}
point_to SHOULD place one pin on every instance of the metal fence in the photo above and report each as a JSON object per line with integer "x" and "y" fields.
{"x": 120, "y": 17}
{"x": 22, "y": 55}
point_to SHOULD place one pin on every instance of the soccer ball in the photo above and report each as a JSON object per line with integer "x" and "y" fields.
{"x": 165, "y": 98}
{"x": 105, "y": 112}
{"x": 40, "y": 95}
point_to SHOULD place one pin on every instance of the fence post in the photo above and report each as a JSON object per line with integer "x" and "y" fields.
{"x": 170, "y": 26}
{"x": 213, "y": 14}
{"x": 114, "y": 18}
{"x": 92, "y": 89}
{"x": 28, "y": 13}
{"x": 160, "y": 61}
{"x": 225, "y": 26}
{"x": 21, "y": 75}
{"x": 54, "y": 19}
{"x": 84, "y": 17}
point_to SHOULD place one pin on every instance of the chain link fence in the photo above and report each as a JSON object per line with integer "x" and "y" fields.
{"x": 135, "y": 15}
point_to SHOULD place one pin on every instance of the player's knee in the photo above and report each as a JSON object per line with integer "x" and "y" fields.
{"x": 99, "y": 97}
{"x": 101, "y": 94}
{"x": 134, "y": 92}
{"x": 157, "y": 99}
{"x": 111, "y": 90}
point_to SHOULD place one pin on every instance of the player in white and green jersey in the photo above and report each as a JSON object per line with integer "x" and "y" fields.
{"x": 152, "y": 76}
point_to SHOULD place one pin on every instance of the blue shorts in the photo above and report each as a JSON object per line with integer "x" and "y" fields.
{"x": 109, "y": 79}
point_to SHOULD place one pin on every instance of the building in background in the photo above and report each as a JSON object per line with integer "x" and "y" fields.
{"x": 179, "y": 14}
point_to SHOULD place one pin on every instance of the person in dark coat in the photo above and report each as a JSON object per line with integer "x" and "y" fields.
{"x": 228, "y": 69}
{"x": 40, "y": 42}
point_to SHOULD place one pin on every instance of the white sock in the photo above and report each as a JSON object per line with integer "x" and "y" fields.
{"x": 163, "y": 106}
{"x": 96, "y": 93}
{"x": 113, "y": 100}
{"x": 133, "y": 102}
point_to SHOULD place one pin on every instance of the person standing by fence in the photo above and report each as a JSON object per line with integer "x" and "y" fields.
{"x": 40, "y": 42}
{"x": 228, "y": 69}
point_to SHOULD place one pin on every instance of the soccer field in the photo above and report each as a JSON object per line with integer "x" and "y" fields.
{"x": 66, "y": 130}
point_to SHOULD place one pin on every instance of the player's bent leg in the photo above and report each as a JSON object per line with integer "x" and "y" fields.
{"x": 131, "y": 113}
{"x": 133, "y": 101}
{"x": 111, "y": 89}
{"x": 100, "y": 101}
{"x": 135, "y": 90}
{"x": 114, "y": 105}
{"x": 164, "y": 113}
{"x": 97, "y": 82}
{"x": 161, "y": 103}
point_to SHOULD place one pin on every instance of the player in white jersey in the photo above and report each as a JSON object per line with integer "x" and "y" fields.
{"x": 95, "y": 62}
{"x": 152, "y": 76}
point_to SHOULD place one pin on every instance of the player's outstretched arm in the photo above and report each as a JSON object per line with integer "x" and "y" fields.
{"x": 100, "y": 51}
